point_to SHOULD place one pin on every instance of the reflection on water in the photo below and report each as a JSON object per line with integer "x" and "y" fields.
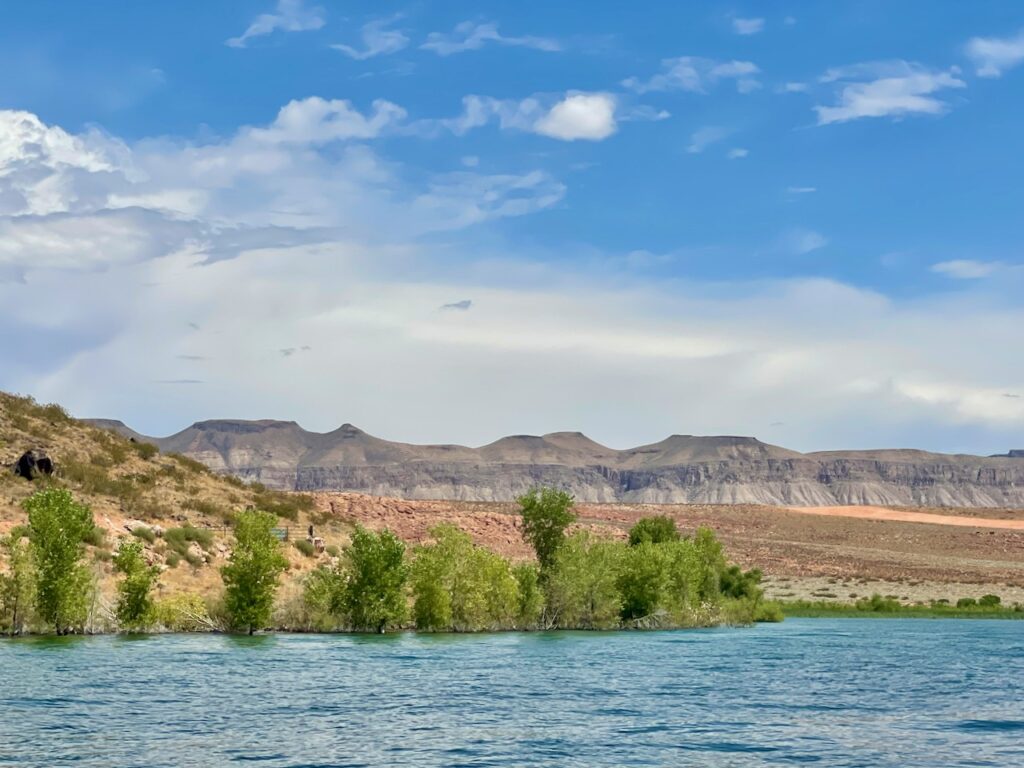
{"x": 846, "y": 692}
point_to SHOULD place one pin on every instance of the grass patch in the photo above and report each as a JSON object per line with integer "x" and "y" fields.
{"x": 286, "y": 505}
{"x": 885, "y": 607}
{"x": 146, "y": 534}
{"x": 190, "y": 465}
{"x": 305, "y": 547}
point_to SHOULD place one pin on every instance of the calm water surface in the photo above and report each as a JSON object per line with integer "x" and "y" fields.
{"x": 850, "y": 692}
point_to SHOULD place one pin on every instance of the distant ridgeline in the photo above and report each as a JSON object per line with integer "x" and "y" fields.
{"x": 680, "y": 469}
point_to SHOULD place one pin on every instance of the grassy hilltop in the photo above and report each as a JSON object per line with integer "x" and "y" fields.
{"x": 179, "y": 510}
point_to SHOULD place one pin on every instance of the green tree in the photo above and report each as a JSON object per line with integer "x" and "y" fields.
{"x": 459, "y": 586}
{"x": 373, "y": 598}
{"x": 134, "y": 604}
{"x": 643, "y": 580}
{"x": 251, "y": 574}
{"x": 58, "y": 527}
{"x": 547, "y": 512}
{"x": 658, "y": 529}
{"x": 531, "y": 596}
{"x": 17, "y": 585}
{"x": 322, "y": 591}
{"x": 581, "y": 586}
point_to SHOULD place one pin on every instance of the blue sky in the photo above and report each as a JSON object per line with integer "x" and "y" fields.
{"x": 795, "y": 220}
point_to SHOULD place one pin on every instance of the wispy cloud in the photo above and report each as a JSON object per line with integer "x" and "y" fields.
{"x": 697, "y": 75}
{"x": 992, "y": 56}
{"x": 886, "y": 89}
{"x": 801, "y": 190}
{"x": 291, "y": 16}
{"x": 458, "y": 305}
{"x": 747, "y": 26}
{"x": 803, "y": 241}
{"x": 180, "y": 381}
{"x": 472, "y": 36}
{"x": 966, "y": 269}
{"x": 704, "y": 137}
{"x": 737, "y": 153}
{"x": 377, "y": 39}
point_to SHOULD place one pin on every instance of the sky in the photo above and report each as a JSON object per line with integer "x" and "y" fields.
{"x": 448, "y": 222}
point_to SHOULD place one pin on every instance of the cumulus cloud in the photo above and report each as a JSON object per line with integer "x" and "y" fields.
{"x": 992, "y": 56}
{"x": 319, "y": 121}
{"x": 574, "y": 116}
{"x": 291, "y": 16}
{"x": 589, "y": 116}
{"x": 747, "y": 26}
{"x": 697, "y": 75}
{"x": 966, "y": 269}
{"x": 886, "y": 89}
{"x": 378, "y": 40}
{"x": 472, "y": 36}
{"x": 331, "y": 245}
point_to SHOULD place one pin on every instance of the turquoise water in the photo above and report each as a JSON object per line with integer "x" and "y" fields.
{"x": 843, "y": 692}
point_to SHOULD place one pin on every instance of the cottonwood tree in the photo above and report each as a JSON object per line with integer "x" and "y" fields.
{"x": 17, "y": 584}
{"x": 547, "y": 512}
{"x": 59, "y": 525}
{"x": 251, "y": 574}
{"x": 134, "y": 604}
{"x": 373, "y": 597}
{"x": 658, "y": 529}
{"x": 459, "y": 586}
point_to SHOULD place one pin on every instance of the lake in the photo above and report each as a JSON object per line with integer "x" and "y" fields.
{"x": 836, "y": 692}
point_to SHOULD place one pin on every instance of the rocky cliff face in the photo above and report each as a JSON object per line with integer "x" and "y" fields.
{"x": 680, "y": 469}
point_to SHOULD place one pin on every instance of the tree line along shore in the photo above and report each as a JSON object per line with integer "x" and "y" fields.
{"x": 659, "y": 579}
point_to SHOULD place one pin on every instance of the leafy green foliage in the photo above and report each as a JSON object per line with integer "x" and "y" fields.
{"x": 134, "y": 604}
{"x": 989, "y": 601}
{"x": 643, "y": 580}
{"x": 373, "y": 597}
{"x": 547, "y": 512}
{"x": 458, "y": 586}
{"x": 17, "y": 585}
{"x": 966, "y": 602}
{"x": 653, "y": 530}
{"x": 582, "y": 588}
{"x": 322, "y": 592}
{"x": 184, "y": 612}
{"x": 531, "y": 596}
{"x": 251, "y": 574}
{"x": 59, "y": 525}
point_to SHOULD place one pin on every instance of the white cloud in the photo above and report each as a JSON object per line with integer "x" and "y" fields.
{"x": 966, "y": 269}
{"x": 291, "y": 16}
{"x": 471, "y": 36}
{"x": 318, "y": 121}
{"x": 793, "y": 87}
{"x": 737, "y": 153}
{"x": 329, "y": 249}
{"x": 378, "y": 40}
{"x": 704, "y": 137}
{"x": 589, "y": 116}
{"x": 886, "y": 89}
{"x": 747, "y": 26}
{"x": 697, "y": 75}
{"x": 573, "y": 116}
{"x": 992, "y": 56}
{"x": 801, "y": 190}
